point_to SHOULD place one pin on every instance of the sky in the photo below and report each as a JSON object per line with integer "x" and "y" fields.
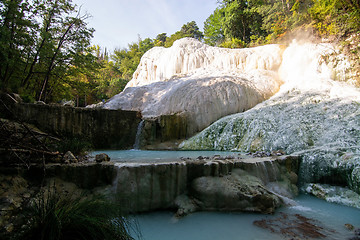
{"x": 118, "y": 23}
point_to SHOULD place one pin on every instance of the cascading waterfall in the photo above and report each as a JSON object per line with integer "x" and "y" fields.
{"x": 149, "y": 186}
{"x": 268, "y": 171}
{"x": 262, "y": 171}
{"x": 145, "y": 185}
{"x": 138, "y": 135}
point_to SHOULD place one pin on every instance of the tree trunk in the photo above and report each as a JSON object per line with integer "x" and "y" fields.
{"x": 52, "y": 62}
{"x": 31, "y": 70}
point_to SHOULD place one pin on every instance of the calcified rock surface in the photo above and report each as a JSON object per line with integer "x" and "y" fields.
{"x": 334, "y": 194}
{"x": 205, "y": 83}
{"x": 312, "y": 115}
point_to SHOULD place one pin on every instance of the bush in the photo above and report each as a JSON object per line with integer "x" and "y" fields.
{"x": 233, "y": 43}
{"x": 55, "y": 216}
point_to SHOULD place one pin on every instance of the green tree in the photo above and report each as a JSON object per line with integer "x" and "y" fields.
{"x": 145, "y": 45}
{"x": 67, "y": 37}
{"x": 127, "y": 60}
{"x": 189, "y": 29}
{"x": 16, "y": 40}
{"x": 160, "y": 39}
{"x": 240, "y": 20}
{"x": 234, "y": 19}
{"x": 340, "y": 17}
{"x": 213, "y": 27}
{"x": 82, "y": 79}
{"x": 40, "y": 41}
{"x": 233, "y": 43}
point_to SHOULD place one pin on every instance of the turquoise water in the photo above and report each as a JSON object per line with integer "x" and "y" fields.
{"x": 330, "y": 218}
{"x": 163, "y": 156}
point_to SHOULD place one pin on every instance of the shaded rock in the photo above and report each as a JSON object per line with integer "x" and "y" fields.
{"x": 356, "y": 235}
{"x": 69, "y": 103}
{"x": 293, "y": 177}
{"x": 236, "y": 192}
{"x": 103, "y": 129}
{"x": 335, "y": 194}
{"x": 149, "y": 186}
{"x": 102, "y": 157}
{"x": 95, "y": 105}
{"x": 349, "y": 226}
{"x": 14, "y": 196}
{"x": 69, "y": 158}
{"x": 185, "y": 206}
{"x": 295, "y": 226}
{"x": 87, "y": 175}
{"x": 335, "y": 166}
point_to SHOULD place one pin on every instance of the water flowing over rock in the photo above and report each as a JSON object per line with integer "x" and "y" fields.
{"x": 233, "y": 184}
{"x": 205, "y": 83}
{"x": 312, "y": 116}
{"x": 144, "y": 185}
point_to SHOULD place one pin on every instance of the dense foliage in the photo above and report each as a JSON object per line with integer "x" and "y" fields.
{"x": 40, "y": 41}
{"x": 116, "y": 69}
{"x": 265, "y": 21}
{"x": 45, "y": 51}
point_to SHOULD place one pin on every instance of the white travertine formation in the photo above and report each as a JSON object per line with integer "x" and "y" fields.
{"x": 203, "y": 82}
{"x": 312, "y": 116}
{"x": 188, "y": 55}
{"x": 310, "y": 110}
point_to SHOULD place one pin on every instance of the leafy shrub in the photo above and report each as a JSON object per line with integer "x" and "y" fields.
{"x": 233, "y": 43}
{"x": 55, "y": 216}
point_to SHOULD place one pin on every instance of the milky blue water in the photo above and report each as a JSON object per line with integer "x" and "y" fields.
{"x": 330, "y": 218}
{"x": 239, "y": 226}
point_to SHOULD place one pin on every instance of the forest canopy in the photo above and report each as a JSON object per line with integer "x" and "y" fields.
{"x": 266, "y": 21}
{"x": 46, "y": 52}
